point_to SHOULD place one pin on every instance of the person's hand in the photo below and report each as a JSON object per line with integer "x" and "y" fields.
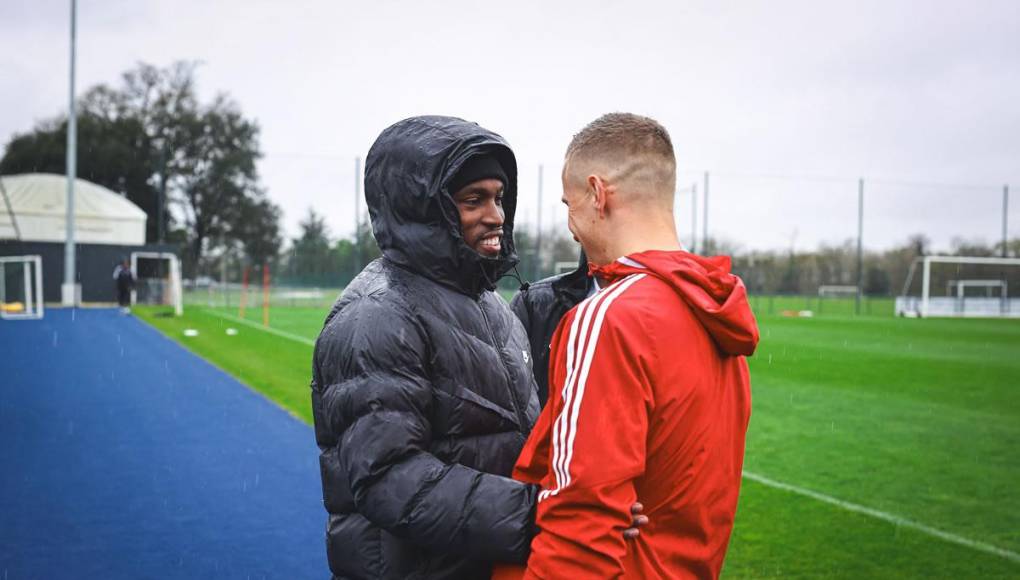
{"x": 637, "y": 521}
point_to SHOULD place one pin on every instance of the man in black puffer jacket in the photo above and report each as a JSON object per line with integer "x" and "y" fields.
{"x": 422, "y": 391}
{"x": 541, "y": 305}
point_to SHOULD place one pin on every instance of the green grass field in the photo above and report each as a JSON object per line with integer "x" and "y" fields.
{"x": 916, "y": 420}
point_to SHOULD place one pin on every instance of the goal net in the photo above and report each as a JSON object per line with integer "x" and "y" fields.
{"x": 157, "y": 280}
{"x": 960, "y": 286}
{"x": 21, "y": 287}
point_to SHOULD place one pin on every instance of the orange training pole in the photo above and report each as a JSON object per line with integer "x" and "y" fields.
{"x": 244, "y": 293}
{"x": 265, "y": 294}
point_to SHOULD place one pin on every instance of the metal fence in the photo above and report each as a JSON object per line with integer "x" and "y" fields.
{"x": 233, "y": 295}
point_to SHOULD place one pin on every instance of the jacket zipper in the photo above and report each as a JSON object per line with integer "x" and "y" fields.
{"x": 506, "y": 370}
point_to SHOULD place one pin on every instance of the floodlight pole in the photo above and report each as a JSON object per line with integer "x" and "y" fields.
{"x": 925, "y": 280}
{"x": 161, "y": 206}
{"x": 704, "y": 221}
{"x": 694, "y": 218}
{"x": 69, "y": 291}
{"x": 1005, "y": 220}
{"x": 860, "y": 247}
{"x": 538, "y": 227}
{"x": 357, "y": 215}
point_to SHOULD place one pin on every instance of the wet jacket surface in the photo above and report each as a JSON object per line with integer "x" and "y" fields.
{"x": 422, "y": 387}
{"x": 540, "y": 307}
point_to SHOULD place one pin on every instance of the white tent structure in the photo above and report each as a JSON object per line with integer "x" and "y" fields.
{"x": 33, "y": 208}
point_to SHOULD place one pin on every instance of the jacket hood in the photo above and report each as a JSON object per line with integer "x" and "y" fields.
{"x": 414, "y": 217}
{"x": 717, "y": 297}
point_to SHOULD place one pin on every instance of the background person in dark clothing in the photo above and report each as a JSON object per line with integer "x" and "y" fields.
{"x": 125, "y": 281}
{"x": 541, "y": 305}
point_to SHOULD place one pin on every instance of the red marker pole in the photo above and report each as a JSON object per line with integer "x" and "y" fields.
{"x": 244, "y": 293}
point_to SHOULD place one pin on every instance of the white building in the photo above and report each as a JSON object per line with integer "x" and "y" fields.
{"x": 33, "y": 208}
{"x": 108, "y": 229}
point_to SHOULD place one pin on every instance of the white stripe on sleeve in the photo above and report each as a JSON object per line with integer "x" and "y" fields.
{"x": 565, "y": 429}
{"x": 575, "y": 348}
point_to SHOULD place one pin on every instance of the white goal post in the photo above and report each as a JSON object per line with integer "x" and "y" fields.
{"x": 958, "y": 304}
{"x": 170, "y": 287}
{"x": 29, "y": 304}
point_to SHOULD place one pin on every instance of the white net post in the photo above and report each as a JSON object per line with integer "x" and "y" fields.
{"x": 171, "y": 289}
{"x": 926, "y": 288}
{"x": 31, "y": 305}
{"x": 175, "y": 285}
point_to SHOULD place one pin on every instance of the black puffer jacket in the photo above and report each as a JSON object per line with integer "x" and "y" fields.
{"x": 540, "y": 307}
{"x": 423, "y": 392}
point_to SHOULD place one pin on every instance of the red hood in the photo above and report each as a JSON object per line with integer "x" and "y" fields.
{"x": 718, "y": 298}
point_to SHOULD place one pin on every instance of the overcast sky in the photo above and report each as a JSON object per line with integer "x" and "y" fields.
{"x": 785, "y": 103}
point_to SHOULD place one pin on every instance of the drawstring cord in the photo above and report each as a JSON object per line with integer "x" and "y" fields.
{"x": 517, "y": 275}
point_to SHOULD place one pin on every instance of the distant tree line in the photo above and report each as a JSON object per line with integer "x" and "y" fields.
{"x": 315, "y": 258}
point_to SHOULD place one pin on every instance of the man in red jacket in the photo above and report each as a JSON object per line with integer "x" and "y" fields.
{"x": 649, "y": 394}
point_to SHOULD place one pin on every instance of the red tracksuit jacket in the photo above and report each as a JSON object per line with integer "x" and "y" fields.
{"x": 649, "y": 400}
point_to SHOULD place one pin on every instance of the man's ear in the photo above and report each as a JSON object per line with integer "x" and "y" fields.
{"x": 600, "y": 198}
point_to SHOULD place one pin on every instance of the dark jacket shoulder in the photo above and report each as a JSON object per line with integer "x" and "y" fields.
{"x": 540, "y": 307}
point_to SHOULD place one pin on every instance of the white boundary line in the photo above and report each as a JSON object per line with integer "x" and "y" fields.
{"x": 887, "y": 517}
{"x": 258, "y": 326}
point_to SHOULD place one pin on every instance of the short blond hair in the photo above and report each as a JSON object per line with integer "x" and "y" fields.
{"x": 633, "y": 152}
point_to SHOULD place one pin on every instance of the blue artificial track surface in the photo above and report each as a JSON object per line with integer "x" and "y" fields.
{"x": 122, "y": 455}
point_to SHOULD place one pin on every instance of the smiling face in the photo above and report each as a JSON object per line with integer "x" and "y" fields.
{"x": 480, "y": 204}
